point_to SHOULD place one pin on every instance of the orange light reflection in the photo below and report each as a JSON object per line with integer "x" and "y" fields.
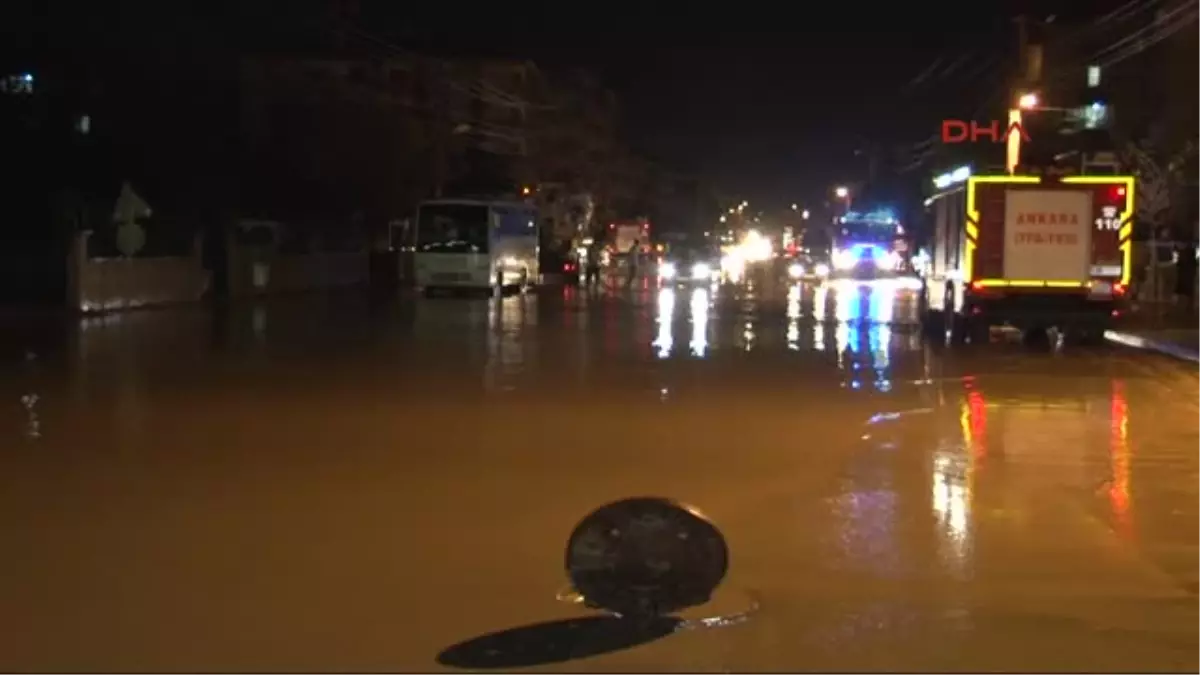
{"x": 1118, "y": 492}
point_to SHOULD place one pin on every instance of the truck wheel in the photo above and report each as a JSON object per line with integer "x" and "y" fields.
{"x": 978, "y": 331}
{"x": 954, "y": 324}
{"x": 959, "y": 328}
{"x": 933, "y": 324}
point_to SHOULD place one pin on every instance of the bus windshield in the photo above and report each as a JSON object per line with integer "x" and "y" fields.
{"x": 452, "y": 228}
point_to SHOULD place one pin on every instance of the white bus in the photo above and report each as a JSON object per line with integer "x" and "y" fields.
{"x": 475, "y": 243}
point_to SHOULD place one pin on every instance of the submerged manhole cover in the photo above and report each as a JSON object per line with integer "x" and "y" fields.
{"x": 646, "y": 556}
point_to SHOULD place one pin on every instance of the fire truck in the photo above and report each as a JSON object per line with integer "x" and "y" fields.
{"x": 1028, "y": 251}
{"x": 624, "y": 234}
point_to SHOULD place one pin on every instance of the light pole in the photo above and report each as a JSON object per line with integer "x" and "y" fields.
{"x": 843, "y": 193}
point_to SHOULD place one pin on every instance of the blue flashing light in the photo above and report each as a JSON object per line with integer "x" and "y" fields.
{"x": 875, "y": 252}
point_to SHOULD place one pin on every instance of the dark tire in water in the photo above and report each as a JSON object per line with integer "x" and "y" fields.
{"x": 1035, "y": 336}
{"x": 979, "y": 332}
{"x": 959, "y": 328}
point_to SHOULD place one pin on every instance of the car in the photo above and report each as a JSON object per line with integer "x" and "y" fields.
{"x": 807, "y": 268}
{"x": 690, "y": 265}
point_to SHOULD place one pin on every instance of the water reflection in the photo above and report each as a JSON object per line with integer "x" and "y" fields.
{"x": 863, "y": 335}
{"x": 665, "y": 317}
{"x": 701, "y": 303}
{"x": 820, "y": 316}
{"x": 793, "y": 316}
{"x": 699, "y": 312}
{"x": 1118, "y": 492}
{"x": 33, "y": 424}
{"x": 1034, "y": 435}
{"x": 506, "y": 343}
{"x": 953, "y": 481}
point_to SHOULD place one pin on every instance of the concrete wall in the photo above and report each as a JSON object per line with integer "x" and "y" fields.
{"x": 110, "y": 284}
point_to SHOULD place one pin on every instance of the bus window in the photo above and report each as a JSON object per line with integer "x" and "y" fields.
{"x": 515, "y": 222}
{"x": 452, "y": 228}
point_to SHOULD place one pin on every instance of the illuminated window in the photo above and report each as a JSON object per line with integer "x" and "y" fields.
{"x": 17, "y": 84}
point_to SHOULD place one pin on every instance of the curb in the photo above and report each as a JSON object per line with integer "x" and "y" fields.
{"x": 1160, "y": 346}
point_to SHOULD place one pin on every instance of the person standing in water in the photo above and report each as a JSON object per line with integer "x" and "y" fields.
{"x": 632, "y": 263}
{"x": 592, "y": 265}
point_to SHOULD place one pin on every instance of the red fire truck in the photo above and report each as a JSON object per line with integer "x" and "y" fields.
{"x": 1031, "y": 252}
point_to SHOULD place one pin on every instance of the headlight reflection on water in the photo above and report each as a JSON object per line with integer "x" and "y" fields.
{"x": 863, "y": 335}
{"x": 700, "y": 303}
{"x": 664, "y": 341}
{"x": 793, "y": 315}
{"x": 698, "y": 311}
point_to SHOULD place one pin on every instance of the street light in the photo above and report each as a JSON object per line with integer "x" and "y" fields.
{"x": 842, "y": 192}
{"x": 804, "y": 214}
{"x": 1028, "y": 101}
{"x": 794, "y": 207}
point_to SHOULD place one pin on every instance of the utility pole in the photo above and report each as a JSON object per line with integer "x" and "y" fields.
{"x": 1029, "y": 75}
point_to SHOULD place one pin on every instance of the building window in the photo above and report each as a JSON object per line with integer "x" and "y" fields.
{"x": 83, "y": 124}
{"x": 17, "y": 84}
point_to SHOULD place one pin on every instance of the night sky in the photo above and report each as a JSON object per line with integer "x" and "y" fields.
{"x": 768, "y": 104}
{"x": 771, "y": 106}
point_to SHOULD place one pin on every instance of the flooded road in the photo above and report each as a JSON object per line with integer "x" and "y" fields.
{"x": 319, "y": 484}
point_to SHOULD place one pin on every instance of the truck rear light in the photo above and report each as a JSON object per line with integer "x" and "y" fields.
{"x": 976, "y": 285}
{"x": 1118, "y": 289}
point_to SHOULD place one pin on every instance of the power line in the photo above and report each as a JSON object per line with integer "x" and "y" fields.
{"x": 1124, "y": 12}
{"x": 1142, "y": 45}
{"x": 1137, "y": 35}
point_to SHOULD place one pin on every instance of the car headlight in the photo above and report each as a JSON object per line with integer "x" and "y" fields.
{"x": 796, "y": 271}
{"x": 822, "y": 270}
{"x": 701, "y": 271}
{"x": 667, "y": 270}
{"x": 843, "y": 260}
